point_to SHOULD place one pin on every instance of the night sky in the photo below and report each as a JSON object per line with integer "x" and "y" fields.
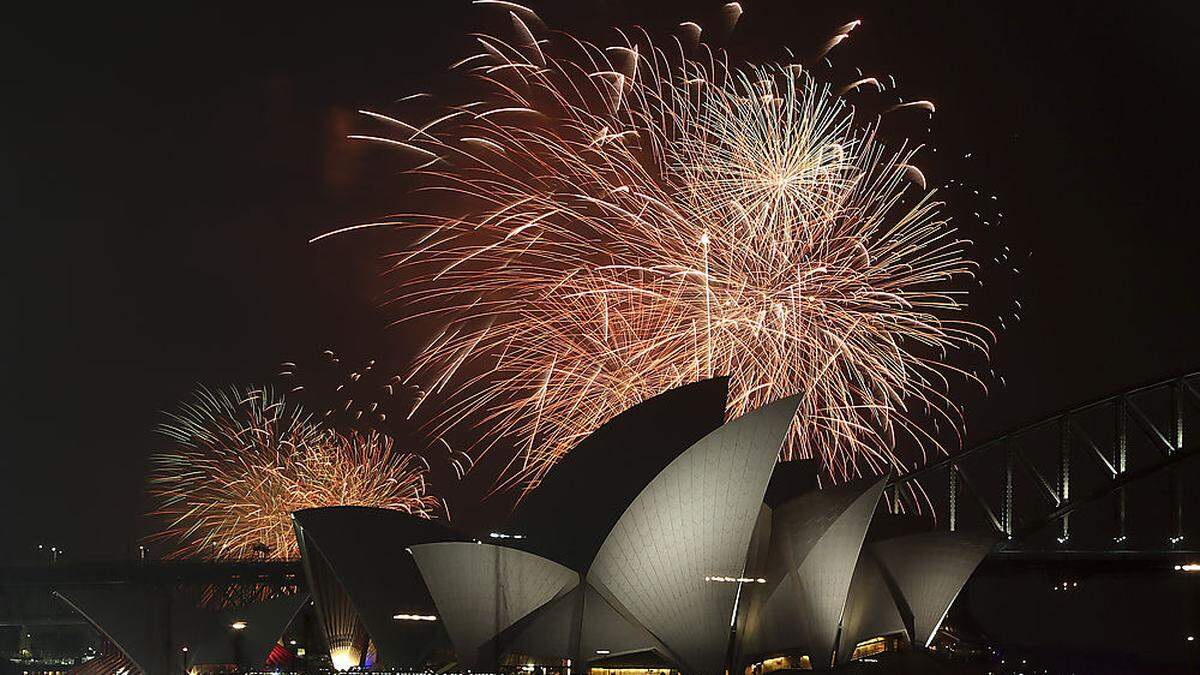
{"x": 162, "y": 170}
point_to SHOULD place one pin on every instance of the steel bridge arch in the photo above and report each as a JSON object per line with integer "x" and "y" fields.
{"x": 1128, "y": 420}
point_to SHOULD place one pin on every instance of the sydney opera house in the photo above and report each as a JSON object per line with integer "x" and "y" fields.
{"x": 668, "y": 540}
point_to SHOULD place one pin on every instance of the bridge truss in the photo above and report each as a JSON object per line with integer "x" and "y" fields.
{"x": 1032, "y": 486}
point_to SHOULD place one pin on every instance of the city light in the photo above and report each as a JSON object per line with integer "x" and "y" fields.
{"x": 1188, "y": 567}
{"x": 501, "y": 535}
{"x": 603, "y": 652}
{"x": 414, "y": 617}
{"x": 737, "y": 580}
{"x": 238, "y": 625}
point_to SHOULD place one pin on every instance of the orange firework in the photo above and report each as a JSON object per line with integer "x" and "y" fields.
{"x": 243, "y": 460}
{"x": 622, "y": 220}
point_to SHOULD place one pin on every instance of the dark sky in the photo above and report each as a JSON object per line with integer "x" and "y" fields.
{"x": 161, "y": 172}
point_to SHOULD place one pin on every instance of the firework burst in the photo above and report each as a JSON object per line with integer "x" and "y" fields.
{"x": 621, "y": 220}
{"x": 243, "y": 460}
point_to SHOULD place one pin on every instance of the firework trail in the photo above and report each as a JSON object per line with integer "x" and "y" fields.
{"x": 350, "y": 394}
{"x": 616, "y": 221}
{"x": 359, "y": 394}
{"x": 242, "y": 461}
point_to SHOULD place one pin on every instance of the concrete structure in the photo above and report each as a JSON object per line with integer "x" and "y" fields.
{"x": 666, "y": 539}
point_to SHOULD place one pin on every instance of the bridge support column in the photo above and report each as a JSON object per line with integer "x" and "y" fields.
{"x": 1175, "y": 491}
{"x": 952, "y": 498}
{"x": 1118, "y": 461}
{"x": 1009, "y": 456}
{"x": 1176, "y": 485}
{"x": 1064, "y": 476}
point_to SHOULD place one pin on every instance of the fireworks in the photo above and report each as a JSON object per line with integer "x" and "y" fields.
{"x": 355, "y": 395}
{"x": 360, "y": 394}
{"x": 243, "y": 460}
{"x": 621, "y": 220}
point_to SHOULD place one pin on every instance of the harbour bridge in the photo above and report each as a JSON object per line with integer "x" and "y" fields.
{"x": 26, "y": 599}
{"x": 1107, "y": 477}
